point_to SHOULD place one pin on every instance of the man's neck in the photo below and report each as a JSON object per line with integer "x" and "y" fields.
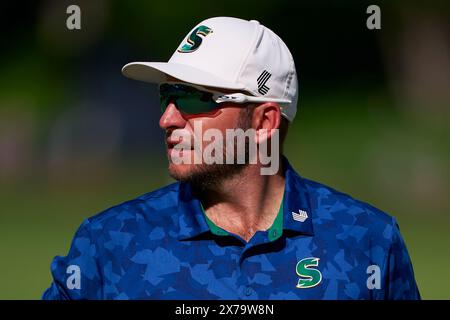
{"x": 246, "y": 203}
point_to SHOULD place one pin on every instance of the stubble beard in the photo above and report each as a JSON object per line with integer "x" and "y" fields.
{"x": 205, "y": 177}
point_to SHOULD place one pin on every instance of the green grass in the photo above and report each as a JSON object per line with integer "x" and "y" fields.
{"x": 38, "y": 223}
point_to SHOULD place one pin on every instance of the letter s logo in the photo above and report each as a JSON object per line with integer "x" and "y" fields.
{"x": 309, "y": 277}
{"x": 194, "y": 40}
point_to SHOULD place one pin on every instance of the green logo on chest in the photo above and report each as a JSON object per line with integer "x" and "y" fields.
{"x": 309, "y": 276}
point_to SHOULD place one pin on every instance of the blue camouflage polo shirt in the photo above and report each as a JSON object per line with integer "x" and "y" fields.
{"x": 323, "y": 244}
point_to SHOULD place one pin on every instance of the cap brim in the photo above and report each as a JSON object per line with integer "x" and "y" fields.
{"x": 158, "y": 72}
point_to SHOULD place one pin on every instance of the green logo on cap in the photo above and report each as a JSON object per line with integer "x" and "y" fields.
{"x": 194, "y": 41}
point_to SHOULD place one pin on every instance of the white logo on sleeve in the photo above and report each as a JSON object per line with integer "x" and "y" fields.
{"x": 74, "y": 280}
{"x": 373, "y": 281}
{"x": 300, "y": 216}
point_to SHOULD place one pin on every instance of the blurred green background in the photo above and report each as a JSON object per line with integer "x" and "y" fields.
{"x": 77, "y": 137}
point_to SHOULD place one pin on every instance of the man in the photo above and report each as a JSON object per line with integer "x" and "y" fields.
{"x": 228, "y": 229}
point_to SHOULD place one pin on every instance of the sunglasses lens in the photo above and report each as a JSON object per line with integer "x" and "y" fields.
{"x": 187, "y": 99}
{"x": 193, "y": 104}
{"x": 164, "y": 102}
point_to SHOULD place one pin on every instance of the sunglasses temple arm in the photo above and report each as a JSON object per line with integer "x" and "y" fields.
{"x": 263, "y": 99}
{"x": 242, "y": 98}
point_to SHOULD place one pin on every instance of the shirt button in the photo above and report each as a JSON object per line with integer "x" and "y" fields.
{"x": 248, "y": 291}
{"x": 274, "y": 233}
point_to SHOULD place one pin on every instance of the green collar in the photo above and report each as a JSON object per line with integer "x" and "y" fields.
{"x": 274, "y": 231}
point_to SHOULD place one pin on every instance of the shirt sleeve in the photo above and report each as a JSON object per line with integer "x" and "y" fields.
{"x": 401, "y": 284}
{"x": 76, "y": 276}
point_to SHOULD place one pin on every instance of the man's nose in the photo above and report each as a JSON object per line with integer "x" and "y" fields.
{"x": 171, "y": 118}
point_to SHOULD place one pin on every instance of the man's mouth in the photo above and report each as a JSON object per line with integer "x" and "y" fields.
{"x": 170, "y": 144}
{"x": 185, "y": 141}
{"x": 180, "y": 145}
{"x": 179, "y": 148}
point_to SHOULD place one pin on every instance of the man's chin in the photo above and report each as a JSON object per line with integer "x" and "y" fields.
{"x": 203, "y": 176}
{"x": 181, "y": 172}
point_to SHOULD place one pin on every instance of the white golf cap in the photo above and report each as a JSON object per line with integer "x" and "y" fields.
{"x": 229, "y": 53}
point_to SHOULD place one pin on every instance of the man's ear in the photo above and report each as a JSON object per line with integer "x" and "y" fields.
{"x": 266, "y": 117}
